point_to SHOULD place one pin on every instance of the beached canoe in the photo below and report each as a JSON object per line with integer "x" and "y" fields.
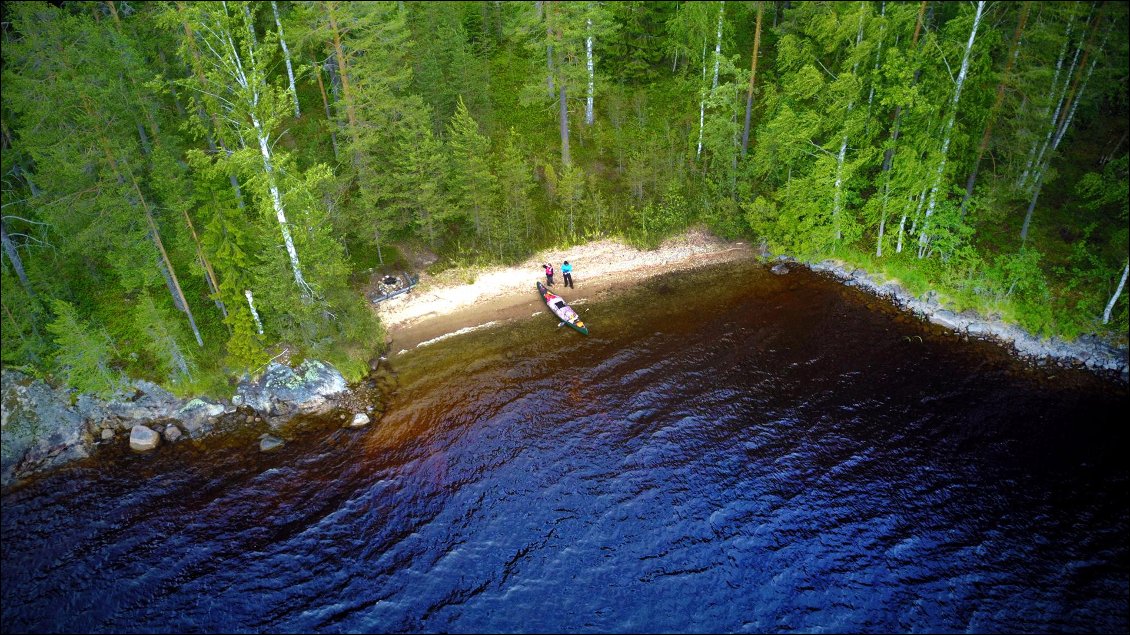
{"x": 562, "y": 310}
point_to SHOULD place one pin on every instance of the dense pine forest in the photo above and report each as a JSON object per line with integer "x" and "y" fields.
{"x": 188, "y": 186}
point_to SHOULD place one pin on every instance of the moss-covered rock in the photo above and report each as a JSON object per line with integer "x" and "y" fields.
{"x": 38, "y": 428}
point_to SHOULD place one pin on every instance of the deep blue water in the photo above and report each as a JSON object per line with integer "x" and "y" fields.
{"x": 728, "y": 451}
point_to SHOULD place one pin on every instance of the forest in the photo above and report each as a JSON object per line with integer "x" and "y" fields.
{"x": 189, "y": 186}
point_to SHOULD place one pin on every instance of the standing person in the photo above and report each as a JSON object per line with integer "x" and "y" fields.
{"x": 567, "y": 274}
{"x": 548, "y": 275}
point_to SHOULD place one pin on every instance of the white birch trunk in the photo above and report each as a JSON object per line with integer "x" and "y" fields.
{"x": 837, "y": 196}
{"x": 913, "y": 222}
{"x": 286, "y": 54}
{"x": 1058, "y": 95}
{"x": 280, "y": 210}
{"x": 902, "y": 226}
{"x": 714, "y": 82}
{"x": 882, "y": 221}
{"x": 718, "y": 45}
{"x": 236, "y": 69}
{"x": 839, "y": 183}
{"x": 924, "y": 237}
{"x": 1041, "y": 168}
{"x": 254, "y": 313}
{"x": 1078, "y": 96}
{"x": 1117, "y": 292}
{"x": 702, "y": 103}
{"x": 592, "y": 80}
{"x": 250, "y": 24}
{"x": 1054, "y": 90}
{"x": 878, "y": 56}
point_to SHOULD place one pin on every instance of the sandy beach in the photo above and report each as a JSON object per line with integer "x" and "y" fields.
{"x": 446, "y": 304}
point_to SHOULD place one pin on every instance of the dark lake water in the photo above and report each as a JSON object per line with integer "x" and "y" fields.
{"x": 728, "y": 451}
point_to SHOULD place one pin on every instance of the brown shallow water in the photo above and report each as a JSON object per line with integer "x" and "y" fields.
{"x": 728, "y": 451}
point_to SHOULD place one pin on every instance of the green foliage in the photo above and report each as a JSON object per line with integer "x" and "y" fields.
{"x": 82, "y": 352}
{"x": 439, "y": 126}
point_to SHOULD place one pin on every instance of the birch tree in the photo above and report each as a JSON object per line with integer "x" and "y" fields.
{"x": 947, "y": 131}
{"x": 286, "y": 56}
{"x": 236, "y": 76}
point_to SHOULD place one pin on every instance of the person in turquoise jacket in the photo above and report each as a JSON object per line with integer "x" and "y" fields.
{"x": 567, "y": 274}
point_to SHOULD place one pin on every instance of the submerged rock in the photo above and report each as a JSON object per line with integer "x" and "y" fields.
{"x": 143, "y": 439}
{"x": 359, "y": 420}
{"x": 172, "y": 433}
{"x": 269, "y": 443}
{"x": 780, "y": 269}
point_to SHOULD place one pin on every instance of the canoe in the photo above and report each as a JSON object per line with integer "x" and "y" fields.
{"x": 562, "y": 310}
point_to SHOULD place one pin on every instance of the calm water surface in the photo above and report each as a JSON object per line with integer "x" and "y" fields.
{"x": 728, "y": 451}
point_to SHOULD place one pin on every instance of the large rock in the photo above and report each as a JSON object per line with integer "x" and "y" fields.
{"x": 38, "y": 428}
{"x": 148, "y": 402}
{"x": 308, "y": 389}
{"x": 143, "y": 439}
{"x": 197, "y": 414}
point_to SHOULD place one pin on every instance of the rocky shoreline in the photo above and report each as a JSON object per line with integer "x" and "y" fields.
{"x": 45, "y": 427}
{"x": 1087, "y": 352}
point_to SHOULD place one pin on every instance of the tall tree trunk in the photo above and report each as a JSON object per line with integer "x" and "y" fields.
{"x": 1069, "y": 114}
{"x": 882, "y": 221}
{"x": 286, "y": 55}
{"x": 924, "y": 238}
{"x": 209, "y": 273}
{"x": 198, "y": 71}
{"x": 343, "y": 75}
{"x": 165, "y": 264}
{"x": 889, "y": 153}
{"x": 902, "y": 223}
{"x": 548, "y": 47}
{"x": 1023, "y": 178}
{"x": 1063, "y": 105}
{"x": 702, "y": 103}
{"x": 837, "y": 196}
{"x": 752, "y": 78}
{"x": 254, "y": 313}
{"x": 136, "y": 92}
{"x": 1117, "y": 292}
{"x": 280, "y": 210}
{"x": 326, "y": 104}
{"x": 563, "y": 112}
{"x": 1031, "y": 208}
{"x": 592, "y": 79}
{"x": 14, "y": 258}
{"x": 714, "y": 82}
{"x": 878, "y": 59}
{"x": 1053, "y": 126}
{"x": 1014, "y": 50}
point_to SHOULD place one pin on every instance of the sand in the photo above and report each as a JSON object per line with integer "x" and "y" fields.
{"x": 447, "y": 303}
